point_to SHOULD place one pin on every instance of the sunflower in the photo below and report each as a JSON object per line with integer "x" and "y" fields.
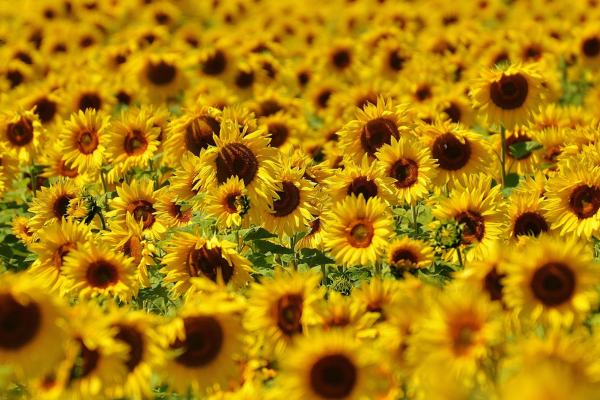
{"x": 162, "y": 117}
{"x": 458, "y": 152}
{"x": 21, "y": 134}
{"x": 284, "y": 129}
{"x": 379, "y": 295}
{"x": 184, "y": 178}
{"x": 9, "y": 169}
{"x": 375, "y": 126}
{"x": 19, "y": 228}
{"x": 49, "y": 104}
{"x": 533, "y": 184}
{"x": 404, "y": 254}
{"x": 457, "y": 334}
{"x": 32, "y": 340}
{"x": 588, "y": 47}
{"x": 525, "y": 164}
{"x": 282, "y": 308}
{"x": 358, "y": 230}
{"x": 52, "y": 203}
{"x": 137, "y": 199}
{"x": 410, "y": 164}
{"x": 58, "y": 167}
{"x": 321, "y": 204}
{"x": 83, "y": 139}
{"x": 341, "y": 58}
{"x": 366, "y": 178}
{"x": 509, "y": 96}
{"x": 95, "y": 95}
{"x": 229, "y": 204}
{"x": 553, "y": 139}
{"x": 162, "y": 75}
{"x": 218, "y": 61}
{"x": 205, "y": 340}
{"x": 574, "y": 199}
{"x": 95, "y": 270}
{"x": 56, "y": 241}
{"x": 330, "y": 365}
{"x": 555, "y": 283}
{"x": 131, "y": 141}
{"x": 169, "y": 212}
{"x": 527, "y": 217}
{"x": 457, "y": 106}
{"x": 189, "y": 256}
{"x": 247, "y": 156}
{"x": 342, "y": 312}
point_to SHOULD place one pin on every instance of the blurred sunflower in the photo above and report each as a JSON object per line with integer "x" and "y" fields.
{"x": 19, "y": 228}
{"x": 184, "y": 178}
{"x": 21, "y": 134}
{"x": 161, "y": 74}
{"x": 525, "y": 164}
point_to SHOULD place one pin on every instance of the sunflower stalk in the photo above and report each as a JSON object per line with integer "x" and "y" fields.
{"x": 292, "y": 247}
{"x": 503, "y": 154}
{"x": 460, "y": 259}
{"x": 324, "y": 273}
{"x": 103, "y": 178}
{"x": 33, "y": 178}
{"x": 378, "y": 268}
{"x": 414, "y": 210}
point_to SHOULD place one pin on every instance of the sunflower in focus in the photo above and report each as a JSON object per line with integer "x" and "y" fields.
{"x": 316, "y": 225}
{"x": 170, "y": 212}
{"x": 82, "y": 140}
{"x": 184, "y": 178}
{"x": 58, "y": 167}
{"x": 404, "y": 254}
{"x": 358, "y": 230}
{"x": 527, "y": 217}
{"x": 229, "y": 204}
{"x": 21, "y": 134}
{"x": 52, "y": 204}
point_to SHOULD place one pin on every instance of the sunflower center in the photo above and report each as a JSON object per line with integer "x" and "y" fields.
{"x": 199, "y": 133}
{"x": 102, "y": 274}
{"x": 133, "y": 248}
{"x": 279, "y": 134}
{"x": 453, "y": 112}
{"x": 87, "y": 141}
{"x": 269, "y": 107}
{"x": 510, "y": 91}
{"x": 585, "y": 201}
{"x": 235, "y": 159}
{"x": 63, "y": 170}
{"x": 376, "y": 133}
{"x": 341, "y": 59}
{"x": 315, "y": 226}
{"x": 161, "y": 73}
{"x": 451, "y": 153}
{"x": 288, "y": 313}
{"x": 553, "y": 284}
{"x": 244, "y": 79}
{"x": 208, "y": 262}
{"x": 591, "y": 47}
{"x": 406, "y": 173}
{"x": 90, "y": 100}
{"x": 61, "y": 206}
{"x": 492, "y": 284}
{"x": 474, "y": 225}
{"x": 551, "y": 154}
{"x": 395, "y": 61}
{"x": 360, "y": 234}
{"x": 142, "y": 210}
{"x": 20, "y": 133}
{"x": 363, "y": 185}
{"x": 89, "y": 359}
{"x": 45, "y": 109}
{"x": 215, "y": 64}
{"x": 175, "y": 211}
{"x": 333, "y": 377}
{"x": 135, "y": 340}
{"x": 230, "y": 203}
{"x": 423, "y": 93}
{"x": 404, "y": 255}
{"x": 135, "y": 143}
{"x": 203, "y": 341}
{"x": 513, "y": 140}
{"x": 123, "y": 98}
{"x": 19, "y": 324}
{"x": 15, "y": 77}
{"x": 61, "y": 252}
{"x": 465, "y": 335}
{"x": 289, "y": 200}
{"x": 323, "y": 98}
{"x": 530, "y": 223}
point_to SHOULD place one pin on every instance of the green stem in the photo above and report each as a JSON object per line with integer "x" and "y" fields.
{"x": 101, "y": 215}
{"x": 33, "y": 178}
{"x": 502, "y": 154}
{"x": 378, "y": 268}
{"x": 460, "y": 260}
{"x": 104, "y": 186}
{"x": 324, "y": 273}
{"x": 236, "y": 235}
{"x": 293, "y": 248}
{"x": 414, "y": 215}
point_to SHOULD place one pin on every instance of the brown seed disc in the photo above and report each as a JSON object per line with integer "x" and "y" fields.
{"x": 135, "y": 340}
{"x": 376, "y": 133}
{"x": 474, "y": 225}
{"x": 364, "y": 186}
{"x": 279, "y": 134}
{"x": 20, "y": 133}
{"x": 510, "y": 92}
{"x": 492, "y": 284}
{"x": 585, "y": 201}
{"x": 135, "y": 143}
{"x": 215, "y": 64}
{"x": 244, "y": 79}
{"x": 161, "y": 73}
{"x": 591, "y": 47}
{"x": 90, "y": 100}
{"x": 404, "y": 255}
{"x": 203, "y": 341}
{"x": 87, "y": 141}
{"x": 289, "y": 200}
{"x": 208, "y": 262}
{"x": 360, "y": 234}
{"x": 288, "y": 313}
{"x": 102, "y": 274}
{"x": 236, "y": 159}
{"x": 553, "y": 284}
{"x": 406, "y": 173}
{"x": 453, "y": 112}
{"x": 19, "y": 324}
{"x": 341, "y": 59}
{"x": 61, "y": 206}
{"x": 333, "y": 377}
{"x": 450, "y": 152}
{"x": 45, "y": 109}
{"x": 199, "y": 133}
{"x": 530, "y": 223}
{"x": 142, "y": 210}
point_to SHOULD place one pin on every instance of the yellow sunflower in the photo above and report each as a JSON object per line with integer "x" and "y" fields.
{"x": 58, "y": 167}
{"x": 375, "y": 126}
{"x": 379, "y": 295}
{"x": 227, "y": 203}
{"x": 321, "y": 204}
{"x": 168, "y": 210}
{"x": 52, "y": 203}
{"x": 405, "y": 253}
{"x": 19, "y": 228}
{"x": 410, "y": 164}
{"x": 340, "y": 311}
{"x": 588, "y": 47}
{"x": 56, "y": 241}
{"x": 189, "y": 256}
{"x": 162, "y": 74}
{"x": 523, "y": 165}
{"x": 509, "y": 96}
{"x": 9, "y": 169}
{"x": 283, "y": 307}
{"x": 95, "y": 270}
{"x": 554, "y": 283}
{"x": 82, "y": 140}
{"x": 527, "y": 217}
{"x": 21, "y": 133}
{"x": 358, "y": 230}
{"x": 330, "y": 365}
{"x": 32, "y": 338}
{"x": 183, "y": 181}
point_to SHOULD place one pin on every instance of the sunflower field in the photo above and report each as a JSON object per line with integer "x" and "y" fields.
{"x": 300, "y": 200}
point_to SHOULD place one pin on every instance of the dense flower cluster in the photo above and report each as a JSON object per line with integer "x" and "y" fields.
{"x": 266, "y": 199}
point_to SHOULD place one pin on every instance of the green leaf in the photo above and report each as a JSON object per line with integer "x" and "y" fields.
{"x": 268, "y": 247}
{"x": 314, "y": 257}
{"x": 506, "y": 192}
{"x": 512, "y": 180}
{"x": 520, "y": 150}
{"x": 259, "y": 234}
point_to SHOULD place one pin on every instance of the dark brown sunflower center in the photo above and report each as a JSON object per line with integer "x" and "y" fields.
{"x": 102, "y": 274}
{"x": 451, "y": 153}
{"x": 406, "y": 173}
{"x": 474, "y": 225}
{"x": 123, "y": 98}
{"x": 289, "y": 200}
{"x": 61, "y": 252}
{"x": 585, "y": 201}
{"x": 333, "y": 377}
{"x": 553, "y": 284}
{"x": 199, "y": 133}
{"x": 404, "y": 255}
{"x": 19, "y": 324}
{"x": 215, "y": 64}
{"x": 203, "y": 341}
{"x": 26, "y": 58}
{"x": 530, "y": 223}
{"x": 45, "y": 109}
{"x": 492, "y": 284}
{"x": 360, "y": 234}
{"x": 376, "y": 133}
{"x": 181, "y": 215}
{"x": 591, "y": 47}
{"x": 20, "y": 133}
{"x": 89, "y": 360}
{"x": 236, "y": 159}
{"x": 363, "y": 185}
{"x": 135, "y": 143}
{"x": 453, "y": 112}
{"x": 323, "y": 98}
{"x": 423, "y": 93}
{"x": 244, "y": 79}
{"x": 90, "y": 100}
{"x": 87, "y": 141}
{"x": 510, "y": 91}
{"x": 341, "y": 59}
{"x": 288, "y": 313}
{"x": 396, "y": 61}
{"x": 269, "y": 107}
{"x": 464, "y": 334}
{"x": 133, "y": 248}
{"x": 161, "y": 73}
{"x": 15, "y": 77}
{"x": 315, "y": 226}
{"x": 230, "y": 203}
{"x": 279, "y": 134}
{"x": 208, "y": 262}
{"x": 135, "y": 340}
{"x": 61, "y": 206}
{"x": 142, "y": 210}
{"x": 513, "y": 140}
{"x": 551, "y": 154}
